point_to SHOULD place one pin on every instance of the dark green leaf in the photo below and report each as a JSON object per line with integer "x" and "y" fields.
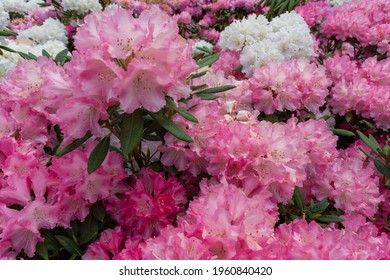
{"x": 8, "y": 33}
{"x": 74, "y": 145}
{"x": 382, "y": 168}
{"x": 152, "y": 137}
{"x": 368, "y": 142}
{"x": 208, "y": 60}
{"x": 200, "y": 87}
{"x": 342, "y": 132}
{"x": 88, "y": 229}
{"x": 238, "y": 68}
{"x": 69, "y": 245}
{"x": 197, "y": 75}
{"x": 98, "y": 155}
{"x": 44, "y": 4}
{"x": 207, "y": 96}
{"x": 298, "y": 198}
{"x": 181, "y": 111}
{"x": 45, "y": 53}
{"x": 50, "y": 242}
{"x": 319, "y": 207}
{"x": 367, "y": 123}
{"x": 29, "y": 56}
{"x": 7, "y": 49}
{"x": 132, "y": 127}
{"x": 375, "y": 143}
{"x": 170, "y": 126}
{"x": 349, "y": 116}
{"x": 41, "y": 250}
{"x": 215, "y": 89}
{"x": 62, "y": 56}
{"x": 330, "y": 219}
{"x": 98, "y": 211}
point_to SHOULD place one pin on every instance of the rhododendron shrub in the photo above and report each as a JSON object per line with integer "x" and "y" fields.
{"x": 217, "y": 129}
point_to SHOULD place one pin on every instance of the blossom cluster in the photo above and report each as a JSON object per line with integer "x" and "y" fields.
{"x": 126, "y": 131}
{"x": 260, "y": 41}
{"x": 366, "y": 21}
{"x": 363, "y": 88}
{"x": 34, "y": 197}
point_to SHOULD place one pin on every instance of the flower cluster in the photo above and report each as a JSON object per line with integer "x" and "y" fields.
{"x": 260, "y": 41}
{"x": 81, "y": 7}
{"x": 34, "y": 197}
{"x": 290, "y": 85}
{"x": 126, "y": 128}
{"x": 150, "y": 204}
{"x": 362, "y": 88}
{"x": 20, "y": 6}
{"x": 366, "y": 20}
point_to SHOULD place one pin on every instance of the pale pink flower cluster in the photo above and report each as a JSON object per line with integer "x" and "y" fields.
{"x": 222, "y": 223}
{"x": 292, "y": 85}
{"x": 366, "y": 20}
{"x": 139, "y": 65}
{"x": 34, "y": 196}
{"x": 363, "y": 88}
{"x": 155, "y": 60}
{"x": 302, "y": 241}
{"x": 314, "y": 12}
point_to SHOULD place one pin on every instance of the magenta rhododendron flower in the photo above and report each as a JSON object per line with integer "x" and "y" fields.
{"x": 226, "y": 129}
{"x": 150, "y": 204}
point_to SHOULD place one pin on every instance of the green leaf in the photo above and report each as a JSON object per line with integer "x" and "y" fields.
{"x": 330, "y": 219}
{"x": 7, "y": 49}
{"x": 41, "y": 250}
{"x": 170, "y": 126}
{"x": 319, "y": 207}
{"x": 215, "y": 89}
{"x": 29, "y": 56}
{"x": 88, "y": 229}
{"x": 197, "y": 75}
{"x": 62, "y": 56}
{"x": 342, "y": 132}
{"x": 238, "y": 68}
{"x": 74, "y": 145}
{"x": 368, "y": 142}
{"x": 50, "y": 241}
{"x": 200, "y": 87}
{"x": 348, "y": 116}
{"x": 152, "y": 137}
{"x": 208, "y": 60}
{"x": 382, "y": 168}
{"x": 132, "y": 127}
{"x": 8, "y": 33}
{"x": 375, "y": 143}
{"x": 367, "y": 123}
{"x": 181, "y": 111}
{"x": 298, "y": 198}
{"x": 98, "y": 155}
{"x": 207, "y": 96}
{"x": 45, "y": 53}
{"x": 69, "y": 245}
{"x": 98, "y": 211}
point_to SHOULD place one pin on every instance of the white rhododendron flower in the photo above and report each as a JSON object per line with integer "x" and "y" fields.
{"x": 285, "y": 37}
{"x": 81, "y": 7}
{"x": 20, "y": 6}
{"x": 51, "y": 29}
{"x": 338, "y": 2}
